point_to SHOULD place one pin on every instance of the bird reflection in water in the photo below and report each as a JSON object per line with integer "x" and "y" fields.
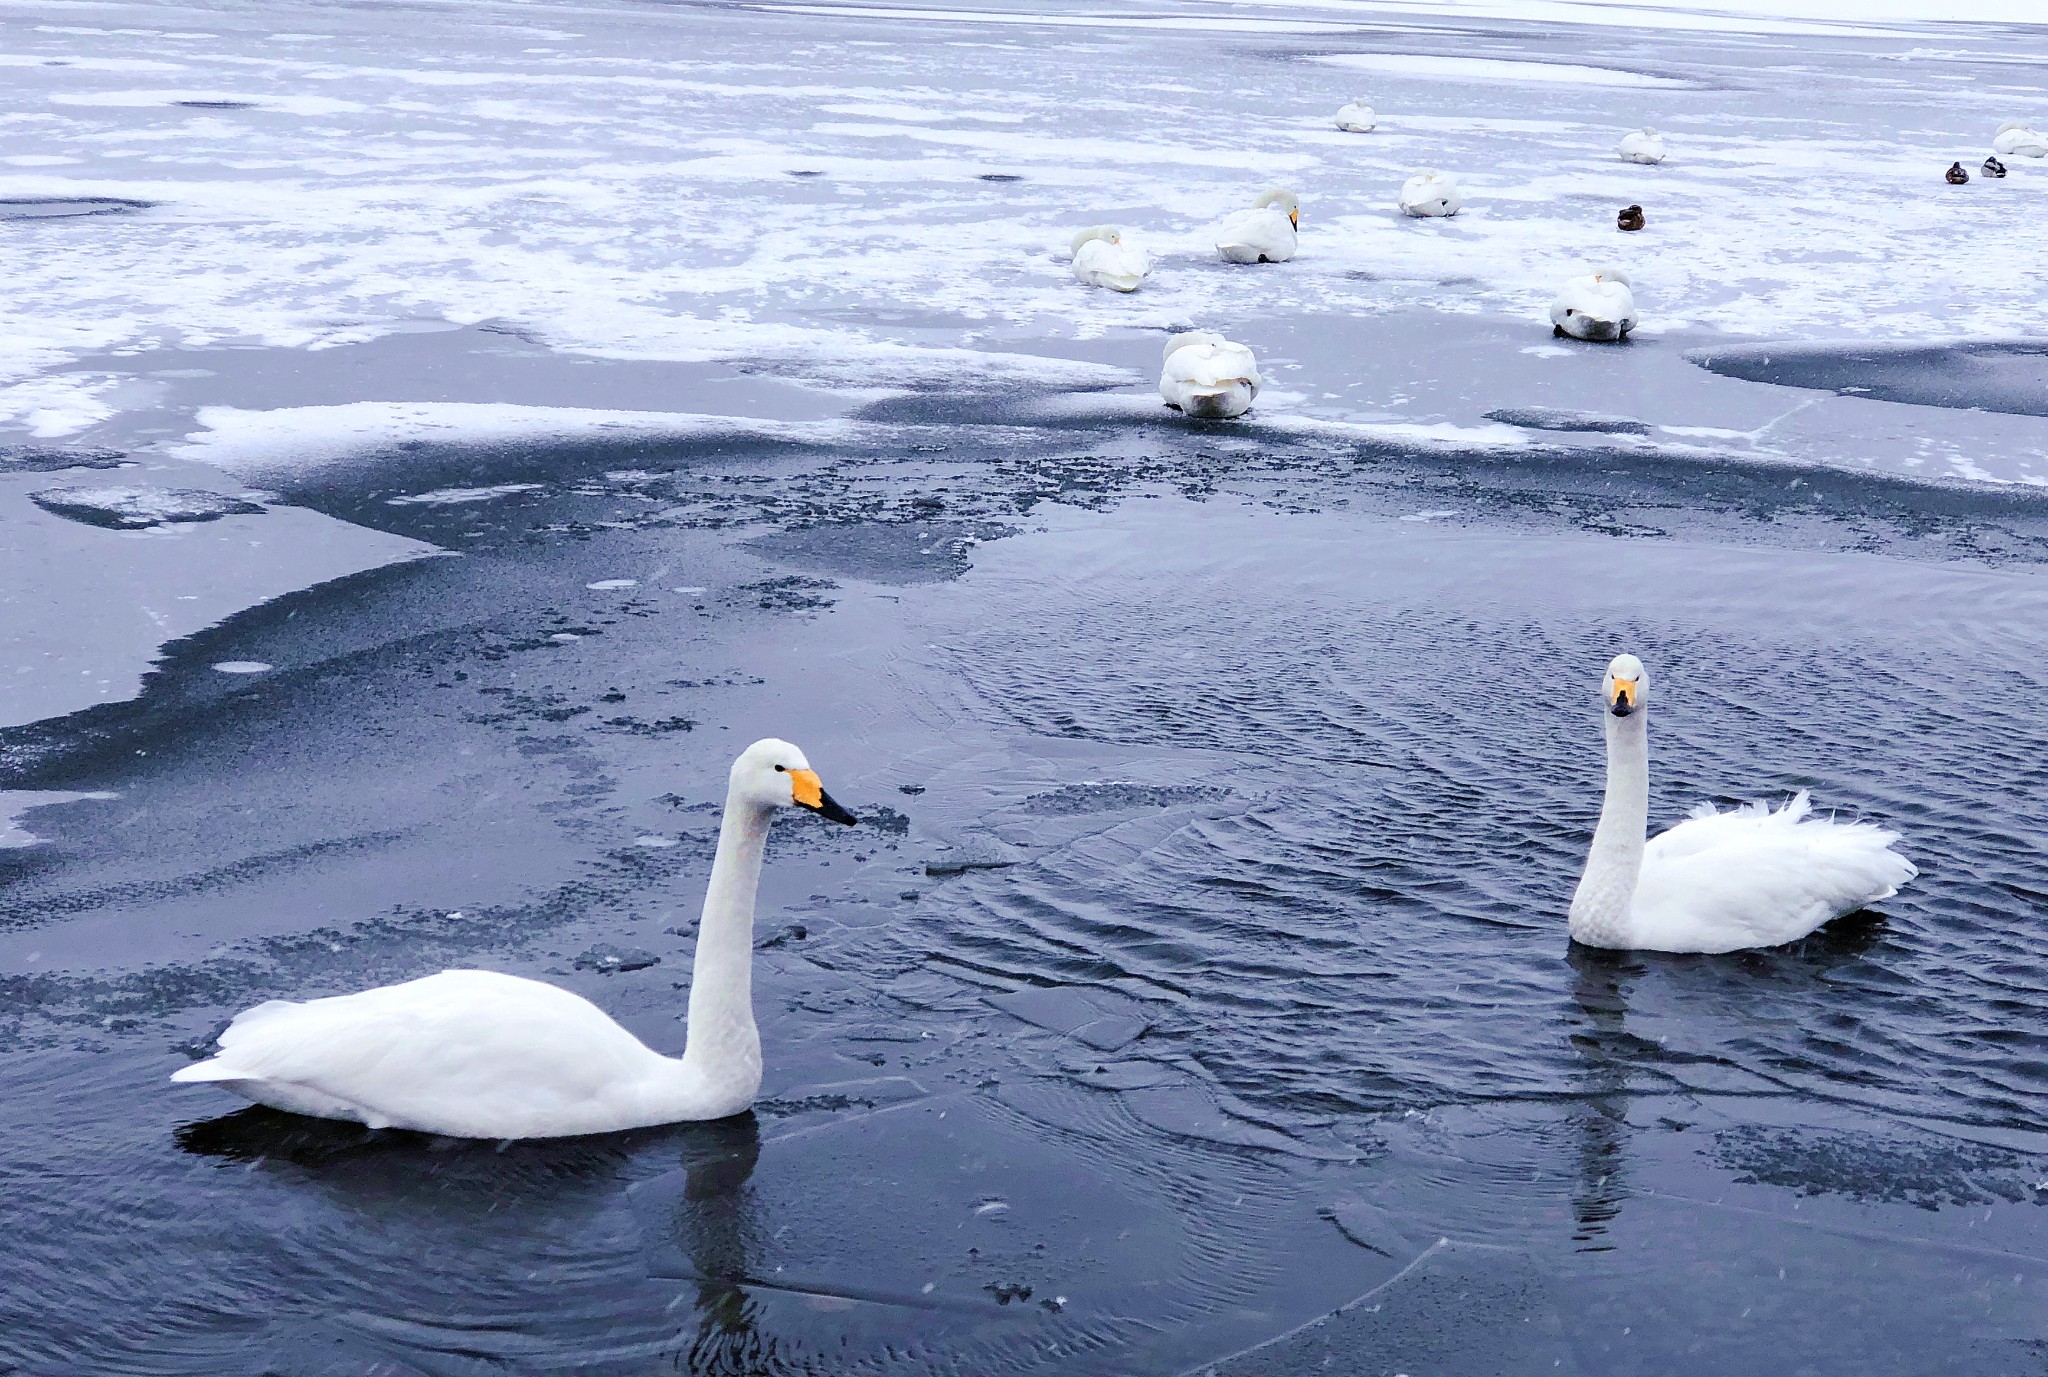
{"x": 714, "y": 1227}
{"x": 1606, "y": 1052}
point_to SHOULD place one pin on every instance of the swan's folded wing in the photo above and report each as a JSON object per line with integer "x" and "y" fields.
{"x": 461, "y": 1041}
{"x": 1706, "y": 826}
{"x": 1757, "y": 880}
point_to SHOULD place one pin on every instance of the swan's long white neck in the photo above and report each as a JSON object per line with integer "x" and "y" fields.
{"x": 722, "y": 1054}
{"x": 1600, "y": 907}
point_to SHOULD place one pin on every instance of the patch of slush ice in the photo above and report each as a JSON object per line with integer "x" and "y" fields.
{"x": 607, "y": 585}
{"x": 312, "y": 436}
{"x": 1495, "y": 69}
{"x": 17, "y": 803}
{"x": 243, "y": 667}
{"x": 455, "y": 497}
{"x": 133, "y": 509}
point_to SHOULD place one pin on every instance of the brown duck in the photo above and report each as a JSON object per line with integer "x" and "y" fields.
{"x": 1956, "y": 175}
{"x": 1631, "y": 218}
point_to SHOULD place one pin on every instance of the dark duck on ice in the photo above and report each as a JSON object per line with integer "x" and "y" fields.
{"x": 1631, "y": 218}
{"x": 1956, "y": 176}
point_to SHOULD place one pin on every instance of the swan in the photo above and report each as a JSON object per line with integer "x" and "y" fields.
{"x": 1430, "y": 193}
{"x": 1206, "y": 375}
{"x": 2018, "y": 137}
{"x": 1263, "y": 234}
{"x": 1357, "y": 117}
{"x": 1717, "y": 882}
{"x": 1103, "y": 259}
{"x": 1643, "y": 146}
{"x": 1599, "y": 306}
{"x": 478, "y": 1054}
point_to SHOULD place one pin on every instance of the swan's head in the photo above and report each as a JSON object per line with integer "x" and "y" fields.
{"x": 776, "y": 775}
{"x": 1626, "y": 686}
{"x": 1176, "y": 343}
{"x": 1109, "y": 232}
{"x": 1280, "y": 196}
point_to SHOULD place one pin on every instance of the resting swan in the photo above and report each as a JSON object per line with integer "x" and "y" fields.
{"x": 1103, "y": 259}
{"x": 1357, "y": 117}
{"x": 1207, "y": 376}
{"x": 1263, "y": 234}
{"x": 1717, "y": 882}
{"x": 1599, "y": 306}
{"x": 477, "y": 1054}
{"x": 1643, "y": 146}
{"x": 1430, "y": 193}
{"x": 2018, "y": 137}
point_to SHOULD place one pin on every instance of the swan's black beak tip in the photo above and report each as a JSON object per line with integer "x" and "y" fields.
{"x": 830, "y": 809}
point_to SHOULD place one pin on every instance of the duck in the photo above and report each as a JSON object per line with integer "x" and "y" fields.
{"x": 482, "y": 1054}
{"x": 1430, "y": 193}
{"x": 1207, "y": 376}
{"x": 1598, "y": 306}
{"x": 2018, "y": 137}
{"x": 1263, "y": 234}
{"x": 1357, "y": 117}
{"x": 1630, "y": 218}
{"x": 1955, "y": 174}
{"x": 1103, "y": 258}
{"x": 1717, "y": 882}
{"x": 1993, "y": 168}
{"x": 1643, "y": 146}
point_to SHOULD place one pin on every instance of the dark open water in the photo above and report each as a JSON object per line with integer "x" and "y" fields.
{"x": 1269, "y": 1005}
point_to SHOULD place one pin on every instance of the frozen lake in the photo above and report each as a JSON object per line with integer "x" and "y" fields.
{"x": 434, "y": 438}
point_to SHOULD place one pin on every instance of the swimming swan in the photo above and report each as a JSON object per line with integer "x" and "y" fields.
{"x": 477, "y": 1054}
{"x": 2018, "y": 137}
{"x": 1717, "y": 882}
{"x": 1103, "y": 259}
{"x": 1263, "y": 234}
{"x": 1357, "y": 118}
{"x": 1430, "y": 193}
{"x": 1207, "y": 376}
{"x": 1643, "y": 146}
{"x": 1599, "y": 306}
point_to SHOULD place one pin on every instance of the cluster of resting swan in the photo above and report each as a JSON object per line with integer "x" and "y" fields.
{"x": 479, "y": 1054}
{"x": 1212, "y": 378}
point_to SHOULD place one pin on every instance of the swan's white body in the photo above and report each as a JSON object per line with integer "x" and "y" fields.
{"x": 1357, "y": 118}
{"x": 1717, "y": 882}
{"x": 1643, "y": 146}
{"x": 1264, "y": 234}
{"x": 2017, "y": 138}
{"x": 1104, "y": 258}
{"x": 1208, "y": 376}
{"x": 478, "y": 1054}
{"x": 1431, "y": 193}
{"x": 1598, "y": 306}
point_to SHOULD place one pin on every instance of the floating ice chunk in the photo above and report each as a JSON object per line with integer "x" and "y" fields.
{"x": 607, "y": 585}
{"x": 453, "y": 497}
{"x": 243, "y": 667}
{"x": 129, "y": 509}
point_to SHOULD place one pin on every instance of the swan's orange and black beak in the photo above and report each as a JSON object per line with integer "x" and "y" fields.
{"x": 1624, "y": 696}
{"x": 1294, "y": 218}
{"x": 808, "y": 791}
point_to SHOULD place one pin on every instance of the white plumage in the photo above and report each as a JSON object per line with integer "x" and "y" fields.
{"x": 479, "y": 1054}
{"x": 1717, "y": 882}
{"x": 1263, "y": 234}
{"x": 1431, "y": 194}
{"x": 1643, "y": 146}
{"x": 1598, "y": 306}
{"x": 1208, "y": 376}
{"x": 1357, "y": 118}
{"x": 2017, "y": 138}
{"x": 1103, "y": 257}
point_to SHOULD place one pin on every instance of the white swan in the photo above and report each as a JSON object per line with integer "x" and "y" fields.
{"x": 1643, "y": 146}
{"x": 1430, "y": 193}
{"x": 1717, "y": 882}
{"x": 1599, "y": 306}
{"x": 476, "y": 1054}
{"x": 1263, "y": 234}
{"x": 1357, "y": 117}
{"x": 2018, "y": 137}
{"x": 1103, "y": 258}
{"x": 1206, "y": 375}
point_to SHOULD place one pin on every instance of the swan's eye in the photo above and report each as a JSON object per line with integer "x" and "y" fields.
{"x": 778, "y": 769}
